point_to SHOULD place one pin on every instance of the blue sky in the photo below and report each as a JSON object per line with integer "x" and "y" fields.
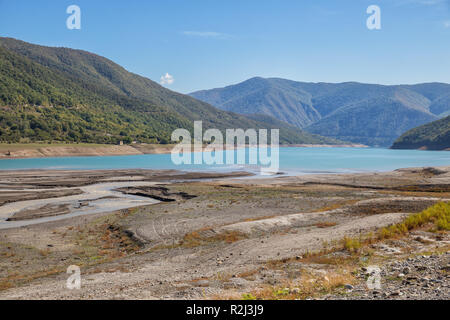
{"x": 204, "y": 44}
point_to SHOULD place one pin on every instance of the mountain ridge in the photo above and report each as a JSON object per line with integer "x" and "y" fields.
{"x": 331, "y": 108}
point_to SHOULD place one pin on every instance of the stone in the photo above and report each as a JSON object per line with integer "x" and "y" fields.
{"x": 421, "y": 268}
{"x": 348, "y": 287}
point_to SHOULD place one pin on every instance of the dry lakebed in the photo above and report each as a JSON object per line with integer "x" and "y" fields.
{"x": 143, "y": 234}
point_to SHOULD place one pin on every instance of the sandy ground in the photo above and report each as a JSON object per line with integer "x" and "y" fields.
{"x": 216, "y": 238}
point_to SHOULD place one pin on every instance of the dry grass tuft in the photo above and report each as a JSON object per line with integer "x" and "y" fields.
{"x": 435, "y": 217}
{"x": 351, "y": 244}
{"x": 248, "y": 275}
{"x": 259, "y": 218}
{"x": 336, "y": 205}
{"x": 325, "y": 224}
{"x": 309, "y": 285}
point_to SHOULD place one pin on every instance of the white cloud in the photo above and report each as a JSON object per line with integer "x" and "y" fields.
{"x": 447, "y": 24}
{"x": 206, "y": 34}
{"x": 167, "y": 79}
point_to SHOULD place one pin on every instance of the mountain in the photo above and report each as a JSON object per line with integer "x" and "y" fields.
{"x": 362, "y": 113}
{"x": 432, "y": 136}
{"x": 273, "y": 97}
{"x": 300, "y": 135}
{"x": 376, "y": 120}
{"x": 71, "y": 95}
{"x": 441, "y": 106}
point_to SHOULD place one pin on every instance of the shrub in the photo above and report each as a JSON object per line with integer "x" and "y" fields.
{"x": 351, "y": 244}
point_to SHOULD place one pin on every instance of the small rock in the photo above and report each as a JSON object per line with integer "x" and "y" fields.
{"x": 295, "y": 291}
{"x": 348, "y": 287}
{"x": 446, "y": 268}
{"x": 397, "y": 293}
{"x": 421, "y": 268}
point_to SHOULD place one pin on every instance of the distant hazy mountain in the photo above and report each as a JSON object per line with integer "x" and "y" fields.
{"x": 362, "y": 113}
{"x": 441, "y": 106}
{"x": 76, "y": 96}
{"x": 431, "y": 136}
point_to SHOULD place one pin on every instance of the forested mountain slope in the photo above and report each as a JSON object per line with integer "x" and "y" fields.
{"x": 71, "y": 95}
{"x": 432, "y": 136}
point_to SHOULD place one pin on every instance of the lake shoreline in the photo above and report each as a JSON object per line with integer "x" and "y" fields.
{"x": 34, "y": 151}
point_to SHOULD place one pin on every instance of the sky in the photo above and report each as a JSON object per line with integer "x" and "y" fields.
{"x": 189, "y": 45}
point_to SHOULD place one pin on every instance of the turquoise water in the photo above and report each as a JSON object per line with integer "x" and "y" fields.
{"x": 292, "y": 160}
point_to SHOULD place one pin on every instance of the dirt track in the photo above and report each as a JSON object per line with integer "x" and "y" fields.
{"x": 223, "y": 239}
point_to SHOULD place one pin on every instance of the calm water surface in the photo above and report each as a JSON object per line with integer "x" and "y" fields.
{"x": 292, "y": 160}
